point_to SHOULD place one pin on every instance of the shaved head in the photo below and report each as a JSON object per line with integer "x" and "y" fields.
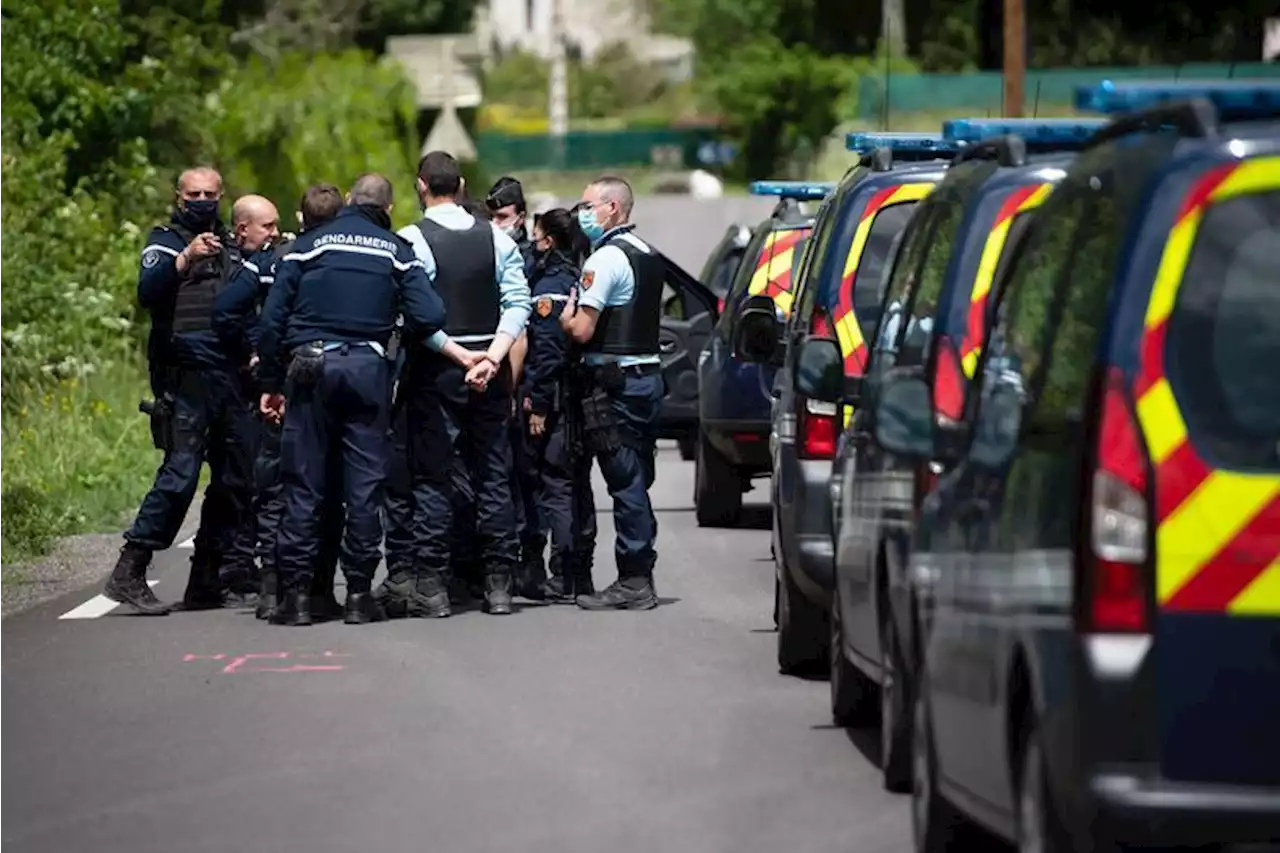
{"x": 614, "y": 189}
{"x": 610, "y": 201}
{"x": 256, "y": 222}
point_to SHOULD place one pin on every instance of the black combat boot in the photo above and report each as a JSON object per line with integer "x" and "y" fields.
{"x": 532, "y": 573}
{"x": 294, "y": 608}
{"x": 128, "y": 582}
{"x": 204, "y": 587}
{"x": 324, "y": 603}
{"x": 268, "y": 593}
{"x": 395, "y": 593}
{"x": 573, "y": 579}
{"x": 360, "y": 608}
{"x": 630, "y": 593}
{"x": 430, "y": 596}
{"x": 497, "y": 593}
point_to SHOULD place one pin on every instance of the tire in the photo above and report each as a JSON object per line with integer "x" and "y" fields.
{"x": 717, "y": 489}
{"x": 688, "y": 447}
{"x": 853, "y": 700}
{"x": 802, "y": 630}
{"x": 895, "y": 713}
{"x": 934, "y": 822}
{"x": 1038, "y": 827}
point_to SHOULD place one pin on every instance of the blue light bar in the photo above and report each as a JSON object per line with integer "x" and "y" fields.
{"x": 901, "y": 143}
{"x": 1039, "y": 134}
{"x": 800, "y": 190}
{"x": 1238, "y": 100}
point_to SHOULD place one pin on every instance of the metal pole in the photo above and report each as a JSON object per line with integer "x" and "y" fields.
{"x": 1015, "y": 57}
{"x": 558, "y": 109}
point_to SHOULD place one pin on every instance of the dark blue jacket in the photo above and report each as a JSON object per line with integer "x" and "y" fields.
{"x": 345, "y": 280}
{"x": 237, "y": 308}
{"x": 548, "y": 344}
{"x": 158, "y": 280}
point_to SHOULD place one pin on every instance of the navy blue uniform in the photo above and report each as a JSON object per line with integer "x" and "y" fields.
{"x": 237, "y": 321}
{"x": 342, "y": 285}
{"x": 561, "y": 490}
{"x": 211, "y": 423}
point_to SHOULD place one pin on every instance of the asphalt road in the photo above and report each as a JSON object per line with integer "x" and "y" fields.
{"x": 550, "y": 730}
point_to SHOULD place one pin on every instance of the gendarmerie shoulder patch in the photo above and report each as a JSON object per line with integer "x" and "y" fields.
{"x": 588, "y": 279}
{"x": 544, "y": 306}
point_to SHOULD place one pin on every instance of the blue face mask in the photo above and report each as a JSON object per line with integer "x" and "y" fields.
{"x": 590, "y": 227}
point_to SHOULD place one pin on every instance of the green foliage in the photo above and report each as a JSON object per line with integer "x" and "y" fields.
{"x": 282, "y": 126}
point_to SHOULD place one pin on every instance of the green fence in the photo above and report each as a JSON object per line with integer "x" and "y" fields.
{"x": 982, "y": 93}
{"x": 584, "y": 149}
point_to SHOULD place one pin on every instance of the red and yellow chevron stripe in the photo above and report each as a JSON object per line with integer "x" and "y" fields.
{"x": 1218, "y": 534}
{"x": 848, "y": 333}
{"x": 773, "y": 268}
{"x": 1019, "y": 201}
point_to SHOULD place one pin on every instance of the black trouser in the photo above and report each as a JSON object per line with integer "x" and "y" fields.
{"x": 210, "y": 424}
{"x": 444, "y": 417}
{"x": 565, "y": 500}
{"x": 341, "y": 420}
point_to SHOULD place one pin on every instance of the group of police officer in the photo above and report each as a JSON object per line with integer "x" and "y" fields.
{"x": 437, "y": 394}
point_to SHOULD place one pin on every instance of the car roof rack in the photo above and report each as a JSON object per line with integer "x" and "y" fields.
{"x": 1008, "y": 150}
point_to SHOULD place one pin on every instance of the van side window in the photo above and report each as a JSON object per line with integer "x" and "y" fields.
{"x": 913, "y": 245}
{"x": 1078, "y": 314}
{"x": 809, "y": 274}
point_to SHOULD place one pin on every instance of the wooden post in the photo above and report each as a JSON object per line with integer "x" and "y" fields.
{"x": 1015, "y": 57}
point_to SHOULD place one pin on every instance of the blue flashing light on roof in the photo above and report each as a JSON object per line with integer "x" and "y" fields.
{"x": 901, "y": 143}
{"x": 1236, "y": 100}
{"x": 800, "y": 190}
{"x": 1039, "y": 134}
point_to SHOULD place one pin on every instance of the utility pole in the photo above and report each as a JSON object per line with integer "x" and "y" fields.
{"x": 1015, "y": 57}
{"x": 558, "y": 108}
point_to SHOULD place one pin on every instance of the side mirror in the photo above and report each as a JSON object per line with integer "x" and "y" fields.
{"x": 819, "y": 370}
{"x": 904, "y": 414}
{"x": 756, "y": 331}
{"x": 999, "y": 423}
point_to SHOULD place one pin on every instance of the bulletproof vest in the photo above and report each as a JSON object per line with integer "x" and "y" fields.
{"x": 632, "y": 329}
{"x": 465, "y": 276}
{"x": 200, "y": 284}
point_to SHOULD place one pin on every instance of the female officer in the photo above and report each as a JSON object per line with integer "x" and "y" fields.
{"x": 563, "y": 484}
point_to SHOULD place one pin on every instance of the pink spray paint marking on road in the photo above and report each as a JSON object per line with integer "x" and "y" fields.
{"x": 237, "y": 664}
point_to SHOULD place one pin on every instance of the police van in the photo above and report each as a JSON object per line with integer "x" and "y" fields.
{"x": 837, "y": 298}
{"x": 733, "y": 393}
{"x": 933, "y": 321}
{"x": 1101, "y": 635}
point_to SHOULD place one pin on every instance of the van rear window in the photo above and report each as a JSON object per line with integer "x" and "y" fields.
{"x": 1223, "y": 344}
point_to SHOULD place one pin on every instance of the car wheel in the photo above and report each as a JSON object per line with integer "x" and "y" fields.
{"x": 1039, "y": 830}
{"x": 852, "y": 693}
{"x": 802, "y": 631}
{"x": 895, "y": 710}
{"x": 933, "y": 821}
{"x": 717, "y": 489}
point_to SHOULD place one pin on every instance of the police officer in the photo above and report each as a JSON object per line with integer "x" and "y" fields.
{"x": 255, "y": 222}
{"x": 236, "y": 315}
{"x": 200, "y": 413}
{"x": 459, "y": 394}
{"x": 507, "y": 208}
{"x": 615, "y": 315}
{"x": 331, "y": 313}
{"x": 563, "y": 470}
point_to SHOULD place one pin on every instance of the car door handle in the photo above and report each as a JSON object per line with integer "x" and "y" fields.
{"x": 666, "y": 347}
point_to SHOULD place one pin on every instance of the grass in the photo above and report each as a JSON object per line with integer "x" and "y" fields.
{"x": 74, "y": 459}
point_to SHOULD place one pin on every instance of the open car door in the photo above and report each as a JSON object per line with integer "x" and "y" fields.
{"x": 689, "y": 313}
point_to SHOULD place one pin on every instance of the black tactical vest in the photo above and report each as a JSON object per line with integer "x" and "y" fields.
{"x": 465, "y": 276}
{"x": 632, "y": 329}
{"x": 200, "y": 284}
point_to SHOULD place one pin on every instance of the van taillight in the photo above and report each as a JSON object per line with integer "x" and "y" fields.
{"x": 720, "y": 306}
{"x": 817, "y": 426}
{"x": 948, "y": 383}
{"x": 1117, "y": 586}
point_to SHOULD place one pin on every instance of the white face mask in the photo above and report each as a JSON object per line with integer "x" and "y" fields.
{"x": 515, "y": 231}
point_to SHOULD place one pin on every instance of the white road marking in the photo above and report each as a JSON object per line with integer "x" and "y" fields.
{"x": 189, "y": 543}
{"x": 97, "y": 606}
